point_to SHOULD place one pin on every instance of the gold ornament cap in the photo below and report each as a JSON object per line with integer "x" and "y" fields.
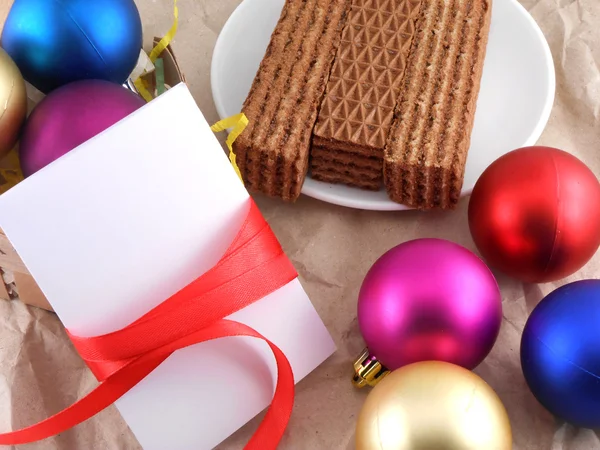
{"x": 368, "y": 371}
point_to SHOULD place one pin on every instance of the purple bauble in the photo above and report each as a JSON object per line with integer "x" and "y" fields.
{"x": 71, "y": 115}
{"x": 429, "y": 299}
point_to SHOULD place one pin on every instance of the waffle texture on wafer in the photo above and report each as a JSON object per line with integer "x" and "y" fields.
{"x": 357, "y": 111}
{"x": 282, "y": 106}
{"x": 426, "y": 151}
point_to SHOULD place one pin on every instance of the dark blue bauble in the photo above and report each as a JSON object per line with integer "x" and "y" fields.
{"x": 560, "y": 353}
{"x": 55, "y": 42}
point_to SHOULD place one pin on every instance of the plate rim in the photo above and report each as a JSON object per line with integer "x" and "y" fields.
{"x": 318, "y": 190}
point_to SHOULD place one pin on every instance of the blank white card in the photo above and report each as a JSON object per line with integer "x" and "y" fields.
{"x": 127, "y": 219}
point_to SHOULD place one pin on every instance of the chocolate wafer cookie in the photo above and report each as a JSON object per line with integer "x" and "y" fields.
{"x": 347, "y": 177}
{"x": 282, "y": 106}
{"x": 341, "y": 168}
{"x": 363, "y": 88}
{"x": 372, "y": 164}
{"x": 425, "y": 156}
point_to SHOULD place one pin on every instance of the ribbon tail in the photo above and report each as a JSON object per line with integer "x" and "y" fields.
{"x": 267, "y": 436}
{"x": 272, "y": 428}
{"x": 97, "y": 400}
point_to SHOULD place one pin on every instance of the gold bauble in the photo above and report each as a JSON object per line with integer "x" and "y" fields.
{"x": 433, "y": 406}
{"x": 13, "y": 103}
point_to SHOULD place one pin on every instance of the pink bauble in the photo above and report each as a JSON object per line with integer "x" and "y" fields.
{"x": 71, "y": 115}
{"x": 429, "y": 299}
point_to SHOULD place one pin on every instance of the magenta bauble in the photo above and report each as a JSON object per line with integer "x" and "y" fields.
{"x": 429, "y": 299}
{"x": 71, "y": 115}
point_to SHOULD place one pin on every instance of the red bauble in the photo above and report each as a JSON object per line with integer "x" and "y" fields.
{"x": 535, "y": 214}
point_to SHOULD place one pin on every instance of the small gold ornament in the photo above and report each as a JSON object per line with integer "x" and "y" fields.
{"x": 13, "y": 103}
{"x": 433, "y": 406}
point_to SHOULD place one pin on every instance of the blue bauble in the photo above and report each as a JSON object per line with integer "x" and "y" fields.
{"x": 560, "y": 353}
{"x": 55, "y": 42}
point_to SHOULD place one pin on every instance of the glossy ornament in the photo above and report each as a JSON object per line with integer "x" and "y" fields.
{"x": 560, "y": 353}
{"x": 57, "y": 42}
{"x": 426, "y": 299}
{"x": 535, "y": 214}
{"x": 433, "y": 405}
{"x": 13, "y": 103}
{"x": 71, "y": 115}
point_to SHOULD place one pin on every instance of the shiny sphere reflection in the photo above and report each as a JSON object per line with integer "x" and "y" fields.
{"x": 57, "y": 42}
{"x": 433, "y": 405}
{"x": 429, "y": 299}
{"x": 560, "y": 353}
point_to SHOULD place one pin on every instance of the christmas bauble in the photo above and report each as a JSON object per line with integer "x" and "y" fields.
{"x": 58, "y": 42}
{"x": 427, "y": 299}
{"x": 13, "y": 103}
{"x": 433, "y": 405}
{"x": 69, "y": 116}
{"x": 535, "y": 214}
{"x": 560, "y": 353}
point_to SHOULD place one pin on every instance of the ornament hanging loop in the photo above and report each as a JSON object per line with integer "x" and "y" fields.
{"x": 368, "y": 370}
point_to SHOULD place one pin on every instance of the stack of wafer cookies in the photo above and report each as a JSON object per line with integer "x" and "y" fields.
{"x": 282, "y": 106}
{"x": 426, "y": 153}
{"x": 363, "y": 88}
{"x": 368, "y": 91}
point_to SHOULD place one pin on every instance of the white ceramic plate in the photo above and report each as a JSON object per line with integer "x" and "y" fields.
{"x": 516, "y": 97}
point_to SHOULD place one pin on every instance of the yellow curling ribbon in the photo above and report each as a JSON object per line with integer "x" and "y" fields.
{"x": 156, "y": 51}
{"x": 144, "y": 92}
{"x": 238, "y": 123}
{"x": 166, "y": 40}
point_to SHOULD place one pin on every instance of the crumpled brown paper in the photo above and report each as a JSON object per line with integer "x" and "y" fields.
{"x": 332, "y": 248}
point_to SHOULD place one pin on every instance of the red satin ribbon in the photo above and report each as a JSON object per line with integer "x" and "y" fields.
{"x": 253, "y": 266}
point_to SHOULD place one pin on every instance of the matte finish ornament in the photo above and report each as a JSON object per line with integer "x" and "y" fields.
{"x": 427, "y": 299}
{"x": 433, "y": 405}
{"x": 535, "y": 214}
{"x": 560, "y": 353}
{"x": 71, "y": 115}
{"x": 13, "y": 103}
{"x": 56, "y": 42}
